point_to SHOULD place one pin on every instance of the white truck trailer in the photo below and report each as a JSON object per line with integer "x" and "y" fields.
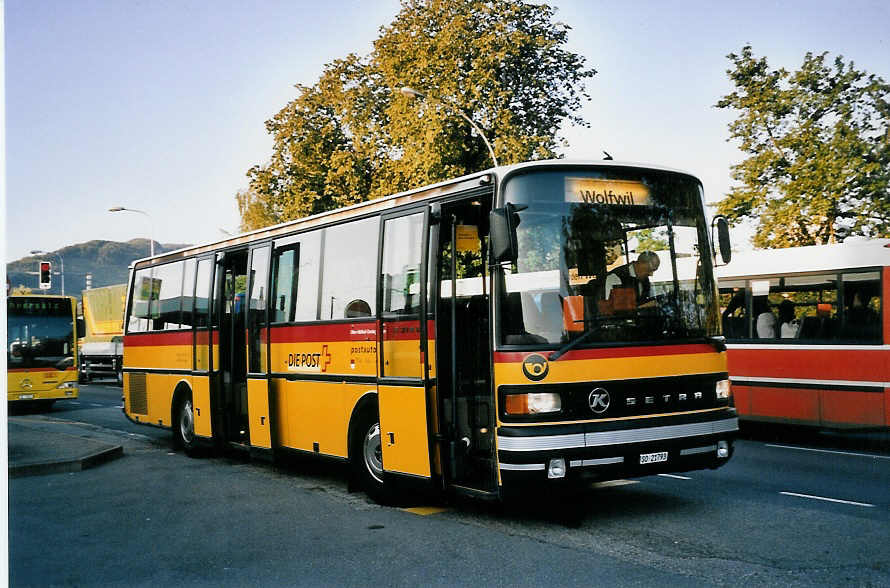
{"x": 102, "y": 349}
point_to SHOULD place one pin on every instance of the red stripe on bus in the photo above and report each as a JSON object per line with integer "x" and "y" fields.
{"x": 401, "y": 331}
{"x": 364, "y": 331}
{"x": 203, "y": 337}
{"x": 810, "y": 364}
{"x": 608, "y": 352}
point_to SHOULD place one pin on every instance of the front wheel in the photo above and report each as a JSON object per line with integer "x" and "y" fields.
{"x": 366, "y": 454}
{"x": 184, "y": 425}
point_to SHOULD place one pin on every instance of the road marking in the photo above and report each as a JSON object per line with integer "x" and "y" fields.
{"x": 425, "y": 510}
{"x": 675, "y": 476}
{"x": 613, "y": 483}
{"x": 94, "y": 404}
{"x": 826, "y": 499}
{"x": 73, "y": 402}
{"x": 829, "y": 451}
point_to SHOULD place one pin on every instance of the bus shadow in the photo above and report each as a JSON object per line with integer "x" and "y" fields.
{"x": 23, "y": 407}
{"x": 839, "y": 439}
{"x": 598, "y": 504}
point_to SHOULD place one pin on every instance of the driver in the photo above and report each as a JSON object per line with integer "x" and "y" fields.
{"x": 634, "y": 275}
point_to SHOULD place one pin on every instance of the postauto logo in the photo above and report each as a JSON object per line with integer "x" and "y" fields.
{"x": 535, "y": 367}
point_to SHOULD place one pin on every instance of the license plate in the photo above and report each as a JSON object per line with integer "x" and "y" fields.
{"x": 26, "y": 396}
{"x": 653, "y": 457}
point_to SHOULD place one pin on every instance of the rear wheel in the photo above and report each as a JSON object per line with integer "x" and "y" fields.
{"x": 367, "y": 456}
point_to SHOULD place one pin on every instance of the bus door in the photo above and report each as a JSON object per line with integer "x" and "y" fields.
{"x": 257, "y": 322}
{"x": 404, "y": 385}
{"x": 465, "y": 405}
{"x": 231, "y": 274}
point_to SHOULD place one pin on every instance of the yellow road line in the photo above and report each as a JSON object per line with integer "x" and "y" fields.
{"x": 425, "y": 510}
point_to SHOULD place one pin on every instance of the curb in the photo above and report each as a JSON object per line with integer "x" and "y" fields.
{"x": 69, "y": 465}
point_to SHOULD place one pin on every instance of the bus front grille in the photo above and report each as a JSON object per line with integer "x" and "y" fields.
{"x": 138, "y": 394}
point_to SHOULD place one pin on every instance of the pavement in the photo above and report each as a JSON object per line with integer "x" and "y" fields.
{"x": 41, "y": 445}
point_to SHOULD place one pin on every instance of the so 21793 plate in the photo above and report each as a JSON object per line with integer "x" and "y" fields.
{"x": 653, "y": 457}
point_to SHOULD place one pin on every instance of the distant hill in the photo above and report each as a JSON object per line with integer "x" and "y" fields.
{"x": 106, "y": 260}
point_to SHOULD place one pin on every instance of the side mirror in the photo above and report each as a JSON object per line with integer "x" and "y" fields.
{"x": 723, "y": 241}
{"x": 502, "y": 233}
{"x": 81, "y": 328}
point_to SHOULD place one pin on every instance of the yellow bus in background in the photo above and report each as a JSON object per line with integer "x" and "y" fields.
{"x": 41, "y": 348}
{"x": 475, "y": 336}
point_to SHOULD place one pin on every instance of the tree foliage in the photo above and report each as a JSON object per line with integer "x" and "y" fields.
{"x": 352, "y": 136}
{"x": 818, "y": 146}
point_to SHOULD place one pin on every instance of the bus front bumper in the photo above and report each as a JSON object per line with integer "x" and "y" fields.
{"x": 616, "y": 449}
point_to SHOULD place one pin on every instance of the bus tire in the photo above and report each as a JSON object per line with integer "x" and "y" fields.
{"x": 184, "y": 424}
{"x": 366, "y": 455}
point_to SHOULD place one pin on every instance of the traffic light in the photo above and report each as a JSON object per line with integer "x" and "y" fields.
{"x": 46, "y": 275}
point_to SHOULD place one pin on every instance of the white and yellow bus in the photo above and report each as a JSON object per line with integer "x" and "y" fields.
{"x": 458, "y": 336}
{"x": 41, "y": 349}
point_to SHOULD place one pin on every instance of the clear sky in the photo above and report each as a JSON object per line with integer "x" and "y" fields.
{"x": 159, "y": 105}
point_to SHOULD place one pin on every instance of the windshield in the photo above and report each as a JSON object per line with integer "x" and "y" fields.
{"x": 608, "y": 256}
{"x": 39, "y": 333}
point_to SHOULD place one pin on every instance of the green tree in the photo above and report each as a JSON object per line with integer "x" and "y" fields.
{"x": 818, "y": 146}
{"x": 352, "y": 136}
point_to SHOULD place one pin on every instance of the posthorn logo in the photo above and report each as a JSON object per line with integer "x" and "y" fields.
{"x": 535, "y": 367}
{"x": 599, "y": 400}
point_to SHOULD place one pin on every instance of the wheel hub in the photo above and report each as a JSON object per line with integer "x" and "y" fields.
{"x": 373, "y": 453}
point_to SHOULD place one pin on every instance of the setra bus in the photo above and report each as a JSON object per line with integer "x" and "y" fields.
{"x": 41, "y": 348}
{"x": 807, "y": 334}
{"x": 459, "y": 336}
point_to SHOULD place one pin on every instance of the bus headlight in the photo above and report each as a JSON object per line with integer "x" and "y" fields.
{"x": 68, "y": 384}
{"x": 533, "y": 403}
{"x": 723, "y": 391}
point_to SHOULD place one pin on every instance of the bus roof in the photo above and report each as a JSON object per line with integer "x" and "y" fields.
{"x": 431, "y": 191}
{"x": 855, "y": 253}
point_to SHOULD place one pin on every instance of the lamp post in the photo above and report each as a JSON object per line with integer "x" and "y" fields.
{"x": 412, "y": 93}
{"x": 151, "y": 240}
{"x": 61, "y": 264}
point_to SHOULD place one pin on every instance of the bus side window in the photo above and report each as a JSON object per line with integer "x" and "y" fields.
{"x": 349, "y": 268}
{"x": 284, "y": 282}
{"x": 202, "y": 293}
{"x": 862, "y": 308}
{"x": 139, "y": 306}
{"x": 166, "y": 302}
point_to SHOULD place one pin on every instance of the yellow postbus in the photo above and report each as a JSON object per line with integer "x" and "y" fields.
{"x": 41, "y": 348}
{"x": 546, "y": 323}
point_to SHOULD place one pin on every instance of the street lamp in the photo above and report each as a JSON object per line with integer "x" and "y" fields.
{"x": 151, "y": 240}
{"x": 61, "y": 264}
{"x": 412, "y": 93}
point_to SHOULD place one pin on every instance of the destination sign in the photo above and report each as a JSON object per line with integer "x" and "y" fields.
{"x": 608, "y": 192}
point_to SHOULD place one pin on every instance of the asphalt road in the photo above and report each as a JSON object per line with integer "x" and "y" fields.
{"x": 803, "y": 510}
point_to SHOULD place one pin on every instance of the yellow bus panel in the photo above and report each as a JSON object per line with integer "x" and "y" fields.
{"x": 403, "y": 430}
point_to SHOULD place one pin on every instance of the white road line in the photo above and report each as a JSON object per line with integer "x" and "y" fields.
{"x": 73, "y": 402}
{"x": 826, "y": 499}
{"x": 675, "y": 476}
{"x": 94, "y": 404}
{"x": 829, "y": 451}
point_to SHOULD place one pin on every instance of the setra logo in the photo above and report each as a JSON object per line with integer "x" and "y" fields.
{"x": 535, "y": 367}
{"x": 599, "y": 400}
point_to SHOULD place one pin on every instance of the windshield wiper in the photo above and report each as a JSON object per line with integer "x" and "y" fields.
{"x": 574, "y": 343}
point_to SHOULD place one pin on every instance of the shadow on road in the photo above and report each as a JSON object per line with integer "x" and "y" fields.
{"x": 846, "y": 440}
